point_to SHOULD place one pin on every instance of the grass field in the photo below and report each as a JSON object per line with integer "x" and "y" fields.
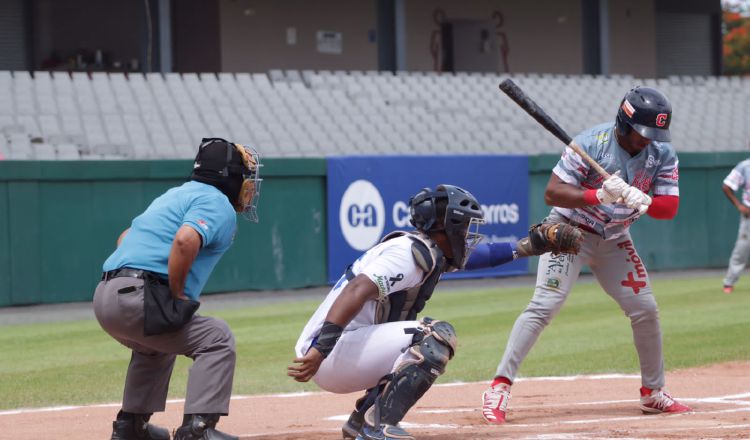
{"x": 70, "y": 363}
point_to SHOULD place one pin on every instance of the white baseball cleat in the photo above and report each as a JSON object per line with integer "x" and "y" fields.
{"x": 495, "y": 403}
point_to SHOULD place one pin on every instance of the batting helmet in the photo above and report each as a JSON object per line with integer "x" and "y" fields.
{"x": 453, "y": 210}
{"x": 647, "y": 111}
{"x": 232, "y": 168}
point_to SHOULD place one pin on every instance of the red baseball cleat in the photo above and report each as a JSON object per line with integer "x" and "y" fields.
{"x": 495, "y": 403}
{"x": 659, "y": 401}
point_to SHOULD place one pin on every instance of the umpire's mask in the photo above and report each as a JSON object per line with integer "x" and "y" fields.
{"x": 454, "y": 211}
{"x": 232, "y": 168}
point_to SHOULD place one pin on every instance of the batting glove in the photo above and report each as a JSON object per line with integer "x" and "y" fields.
{"x": 634, "y": 198}
{"x": 611, "y": 189}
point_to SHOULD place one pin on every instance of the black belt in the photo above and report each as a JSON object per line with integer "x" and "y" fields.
{"x": 128, "y": 272}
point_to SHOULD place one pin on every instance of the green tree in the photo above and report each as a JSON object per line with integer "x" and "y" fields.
{"x": 736, "y": 38}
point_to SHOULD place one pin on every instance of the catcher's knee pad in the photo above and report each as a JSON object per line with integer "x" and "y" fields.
{"x": 432, "y": 349}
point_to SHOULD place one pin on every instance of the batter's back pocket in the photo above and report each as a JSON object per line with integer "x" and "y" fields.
{"x": 163, "y": 313}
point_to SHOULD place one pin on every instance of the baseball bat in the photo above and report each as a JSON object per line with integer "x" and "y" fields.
{"x": 522, "y": 99}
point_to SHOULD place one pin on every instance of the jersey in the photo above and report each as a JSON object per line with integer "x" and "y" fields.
{"x": 390, "y": 265}
{"x": 654, "y": 169}
{"x": 738, "y": 178}
{"x": 148, "y": 243}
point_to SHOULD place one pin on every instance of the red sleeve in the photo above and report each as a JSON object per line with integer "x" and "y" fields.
{"x": 589, "y": 197}
{"x": 664, "y": 207}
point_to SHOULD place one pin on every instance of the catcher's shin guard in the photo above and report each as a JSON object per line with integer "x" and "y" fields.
{"x": 201, "y": 427}
{"x": 129, "y": 426}
{"x": 353, "y": 426}
{"x": 414, "y": 377}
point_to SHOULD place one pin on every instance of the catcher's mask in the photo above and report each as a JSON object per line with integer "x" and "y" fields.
{"x": 454, "y": 211}
{"x": 232, "y": 168}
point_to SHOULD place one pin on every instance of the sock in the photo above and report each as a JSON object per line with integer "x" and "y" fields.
{"x": 501, "y": 379}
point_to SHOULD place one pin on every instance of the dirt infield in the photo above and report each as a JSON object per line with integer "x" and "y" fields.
{"x": 585, "y": 407}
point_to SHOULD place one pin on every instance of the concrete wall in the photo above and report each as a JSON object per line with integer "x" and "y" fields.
{"x": 254, "y": 34}
{"x": 632, "y": 37}
{"x": 543, "y": 36}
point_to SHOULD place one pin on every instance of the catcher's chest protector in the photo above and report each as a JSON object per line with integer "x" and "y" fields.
{"x": 404, "y": 305}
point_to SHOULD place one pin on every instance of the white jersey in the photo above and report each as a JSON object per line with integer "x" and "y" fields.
{"x": 390, "y": 265}
{"x": 738, "y": 178}
{"x": 655, "y": 169}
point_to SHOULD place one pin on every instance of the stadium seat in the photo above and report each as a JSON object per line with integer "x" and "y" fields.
{"x": 309, "y": 113}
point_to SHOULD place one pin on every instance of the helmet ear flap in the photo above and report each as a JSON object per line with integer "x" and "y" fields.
{"x": 423, "y": 210}
{"x": 623, "y": 128}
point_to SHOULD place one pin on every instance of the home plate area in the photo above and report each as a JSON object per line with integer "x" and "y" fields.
{"x": 580, "y": 407}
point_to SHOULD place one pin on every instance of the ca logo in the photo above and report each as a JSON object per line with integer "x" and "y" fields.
{"x": 362, "y": 215}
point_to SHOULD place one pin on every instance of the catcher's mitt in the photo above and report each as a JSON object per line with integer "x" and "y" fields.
{"x": 558, "y": 238}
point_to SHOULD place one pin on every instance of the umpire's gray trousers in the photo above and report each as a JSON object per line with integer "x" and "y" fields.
{"x": 208, "y": 341}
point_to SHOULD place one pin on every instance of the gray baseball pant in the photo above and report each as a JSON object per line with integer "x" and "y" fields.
{"x": 208, "y": 341}
{"x": 740, "y": 253}
{"x": 621, "y": 273}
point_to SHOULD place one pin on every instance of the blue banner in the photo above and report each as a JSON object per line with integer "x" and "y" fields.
{"x": 368, "y": 197}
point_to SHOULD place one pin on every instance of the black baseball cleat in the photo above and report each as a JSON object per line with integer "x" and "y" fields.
{"x": 352, "y": 426}
{"x": 201, "y": 427}
{"x": 136, "y": 427}
{"x": 384, "y": 432}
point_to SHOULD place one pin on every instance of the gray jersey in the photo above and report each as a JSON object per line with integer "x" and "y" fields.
{"x": 654, "y": 169}
{"x": 738, "y": 178}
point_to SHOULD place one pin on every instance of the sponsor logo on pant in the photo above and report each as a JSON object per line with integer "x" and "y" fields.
{"x": 639, "y": 268}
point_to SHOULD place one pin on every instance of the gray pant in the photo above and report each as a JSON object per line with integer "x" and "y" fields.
{"x": 621, "y": 273}
{"x": 208, "y": 341}
{"x": 741, "y": 252}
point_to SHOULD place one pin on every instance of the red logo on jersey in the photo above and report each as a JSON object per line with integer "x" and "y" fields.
{"x": 661, "y": 119}
{"x": 642, "y": 181}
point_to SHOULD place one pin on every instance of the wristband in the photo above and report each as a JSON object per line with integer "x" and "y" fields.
{"x": 589, "y": 197}
{"x": 326, "y": 340}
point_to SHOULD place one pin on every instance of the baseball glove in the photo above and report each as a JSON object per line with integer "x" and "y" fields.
{"x": 558, "y": 238}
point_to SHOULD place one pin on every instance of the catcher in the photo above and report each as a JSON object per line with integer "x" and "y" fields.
{"x": 366, "y": 336}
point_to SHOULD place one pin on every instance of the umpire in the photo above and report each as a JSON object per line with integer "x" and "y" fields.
{"x": 151, "y": 285}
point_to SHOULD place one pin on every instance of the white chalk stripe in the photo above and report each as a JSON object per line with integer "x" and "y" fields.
{"x": 726, "y": 400}
{"x": 620, "y": 419}
{"x": 316, "y": 393}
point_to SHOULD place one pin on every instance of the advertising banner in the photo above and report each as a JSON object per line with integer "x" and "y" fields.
{"x": 368, "y": 197}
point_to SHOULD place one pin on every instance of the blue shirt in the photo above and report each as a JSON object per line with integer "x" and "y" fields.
{"x": 148, "y": 243}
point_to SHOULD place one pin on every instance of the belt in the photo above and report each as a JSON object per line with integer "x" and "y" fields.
{"x": 585, "y": 228}
{"x": 128, "y": 272}
{"x": 581, "y": 226}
